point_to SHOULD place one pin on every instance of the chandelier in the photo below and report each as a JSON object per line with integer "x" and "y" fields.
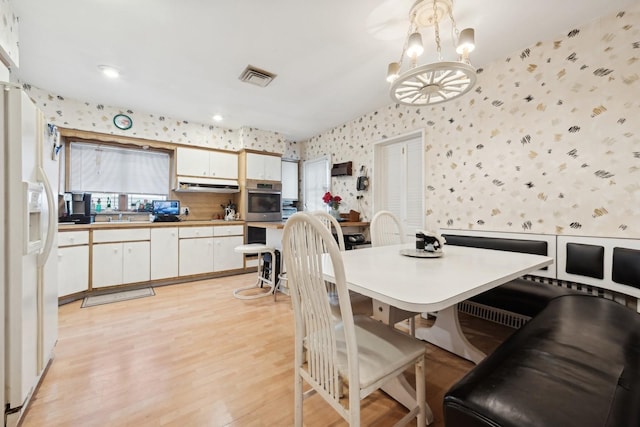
{"x": 440, "y": 81}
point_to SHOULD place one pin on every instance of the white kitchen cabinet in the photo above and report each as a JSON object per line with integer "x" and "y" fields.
{"x": 263, "y": 167}
{"x": 224, "y": 255}
{"x": 196, "y": 256}
{"x": 135, "y": 262}
{"x": 73, "y": 262}
{"x": 223, "y": 165}
{"x": 120, "y": 256}
{"x": 107, "y": 265}
{"x": 206, "y": 163}
{"x": 289, "y": 180}
{"x": 164, "y": 253}
{"x": 73, "y": 269}
{"x": 224, "y": 244}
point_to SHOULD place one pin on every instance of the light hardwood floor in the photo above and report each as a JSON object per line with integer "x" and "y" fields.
{"x": 192, "y": 355}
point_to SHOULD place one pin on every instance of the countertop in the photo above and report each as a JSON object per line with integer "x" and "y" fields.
{"x": 144, "y": 224}
{"x": 278, "y": 225}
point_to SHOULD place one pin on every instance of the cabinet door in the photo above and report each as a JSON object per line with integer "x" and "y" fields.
{"x": 223, "y": 165}
{"x": 255, "y": 166}
{"x": 272, "y": 168}
{"x": 107, "y": 265}
{"x": 290, "y": 180}
{"x": 135, "y": 263}
{"x": 262, "y": 166}
{"x": 196, "y": 256}
{"x": 192, "y": 162}
{"x": 73, "y": 270}
{"x": 224, "y": 256}
{"x": 164, "y": 253}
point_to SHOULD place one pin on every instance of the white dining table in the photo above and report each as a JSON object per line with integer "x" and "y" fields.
{"x": 432, "y": 285}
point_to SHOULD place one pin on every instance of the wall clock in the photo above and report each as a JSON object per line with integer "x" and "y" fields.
{"x": 122, "y": 121}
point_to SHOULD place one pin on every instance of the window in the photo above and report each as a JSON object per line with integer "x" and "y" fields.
{"x": 316, "y": 181}
{"x": 96, "y": 168}
{"x": 398, "y": 178}
{"x": 119, "y": 179}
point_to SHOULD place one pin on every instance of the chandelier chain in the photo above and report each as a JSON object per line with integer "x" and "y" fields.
{"x": 437, "y": 29}
{"x": 455, "y": 33}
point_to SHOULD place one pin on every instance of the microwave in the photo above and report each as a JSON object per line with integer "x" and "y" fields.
{"x": 263, "y": 201}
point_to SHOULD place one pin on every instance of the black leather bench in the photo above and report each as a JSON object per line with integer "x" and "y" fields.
{"x": 576, "y": 363}
{"x": 521, "y": 296}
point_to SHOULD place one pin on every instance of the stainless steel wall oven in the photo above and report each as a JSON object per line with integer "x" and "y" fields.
{"x": 263, "y": 201}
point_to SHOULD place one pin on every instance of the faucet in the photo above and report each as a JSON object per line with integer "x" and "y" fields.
{"x": 109, "y": 219}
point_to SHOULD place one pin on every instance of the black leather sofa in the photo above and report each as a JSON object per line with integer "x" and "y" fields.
{"x": 576, "y": 363}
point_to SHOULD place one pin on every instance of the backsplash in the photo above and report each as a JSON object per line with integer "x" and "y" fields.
{"x": 548, "y": 141}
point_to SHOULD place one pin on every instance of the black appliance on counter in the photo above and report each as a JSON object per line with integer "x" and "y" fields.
{"x": 75, "y": 208}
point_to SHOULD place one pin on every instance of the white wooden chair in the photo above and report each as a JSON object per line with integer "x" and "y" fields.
{"x": 358, "y": 352}
{"x": 332, "y": 224}
{"x": 360, "y": 304}
{"x": 385, "y": 229}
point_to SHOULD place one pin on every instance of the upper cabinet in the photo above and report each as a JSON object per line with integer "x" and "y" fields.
{"x": 263, "y": 167}
{"x": 206, "y": 163}
{"x": 289, "y": 180}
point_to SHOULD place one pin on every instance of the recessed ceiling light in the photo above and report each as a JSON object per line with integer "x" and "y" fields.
{"x": 108, "y": 71}
{"x": 217, "y": 118}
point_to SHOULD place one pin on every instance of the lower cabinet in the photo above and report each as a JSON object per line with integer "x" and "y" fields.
{"x": 73, "y": 262}
{"x": 196, "y": 256}
{"x": 164, "y": 253}
{"x": 134, "y": 255}
{"x": 224, "y": 255}
{"x": 120, "y": 263}
{"x": 73, "y": 270}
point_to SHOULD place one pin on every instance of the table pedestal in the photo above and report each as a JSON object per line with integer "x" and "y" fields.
{"x": 447, "y": 334}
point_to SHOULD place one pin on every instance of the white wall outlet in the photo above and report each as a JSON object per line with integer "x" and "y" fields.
{"x": 184, "y": 210}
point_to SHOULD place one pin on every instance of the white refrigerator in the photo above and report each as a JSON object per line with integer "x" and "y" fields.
{"x": 29, "y": 186}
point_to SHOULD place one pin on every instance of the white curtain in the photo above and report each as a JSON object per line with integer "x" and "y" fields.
{"x": 106, "y": 169}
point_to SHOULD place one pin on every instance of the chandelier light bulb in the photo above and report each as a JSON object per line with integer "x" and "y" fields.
{"x": 466, "y": 41}
{"x": 414, "y": 46}
{"x": 393, "y": 72}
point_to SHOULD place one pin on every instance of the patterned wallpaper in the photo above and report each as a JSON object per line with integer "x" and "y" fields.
{"x": 547, "y": 142}
{"x": 75, "y": 114}
{"x": 9, "y": 31}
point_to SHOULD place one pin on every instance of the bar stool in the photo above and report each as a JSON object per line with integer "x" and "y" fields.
{"x": 265, "y": 276}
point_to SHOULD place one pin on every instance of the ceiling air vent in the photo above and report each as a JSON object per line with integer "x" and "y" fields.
{"x": 256, "y": 76}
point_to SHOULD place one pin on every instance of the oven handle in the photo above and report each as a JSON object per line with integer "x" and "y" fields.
{"x": 263, "y": 191}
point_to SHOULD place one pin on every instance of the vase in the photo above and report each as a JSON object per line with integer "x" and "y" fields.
{"x": 334, "y": 213}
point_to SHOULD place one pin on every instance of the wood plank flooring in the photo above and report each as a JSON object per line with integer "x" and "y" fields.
{"x": 195, "y": 356}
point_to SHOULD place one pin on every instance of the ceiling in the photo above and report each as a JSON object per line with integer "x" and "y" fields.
{"x": 182, "y": 59}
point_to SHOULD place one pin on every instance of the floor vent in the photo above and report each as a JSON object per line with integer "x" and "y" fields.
{"x": 256, "y": 76}
{"x": 492, "y": 314}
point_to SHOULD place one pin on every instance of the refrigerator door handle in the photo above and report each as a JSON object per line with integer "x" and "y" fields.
{"x": 51, "y": 227}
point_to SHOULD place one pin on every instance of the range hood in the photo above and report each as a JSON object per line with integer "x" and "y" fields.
{"x": 206, "y": 185}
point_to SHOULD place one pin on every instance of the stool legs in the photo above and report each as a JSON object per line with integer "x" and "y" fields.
{"x": 264, "y": 278}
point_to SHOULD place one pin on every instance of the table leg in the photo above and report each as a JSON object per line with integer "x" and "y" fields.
{"x": 447, "y": 334}
{"x": 399, "y": 389}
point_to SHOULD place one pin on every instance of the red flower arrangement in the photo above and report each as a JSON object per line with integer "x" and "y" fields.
{"x": 332, "y": 201}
